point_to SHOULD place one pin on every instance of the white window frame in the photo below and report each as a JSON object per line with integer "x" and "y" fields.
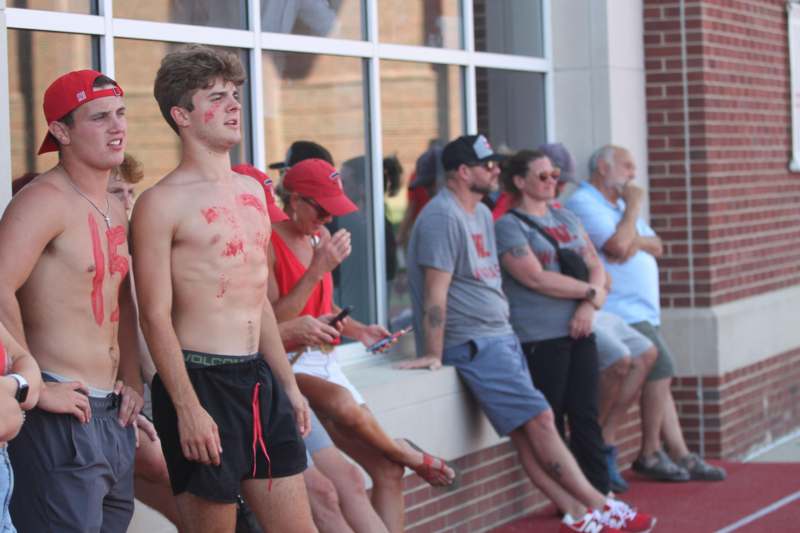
{"x": 107, "y": 28}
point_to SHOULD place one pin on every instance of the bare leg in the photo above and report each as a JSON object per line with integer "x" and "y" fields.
{"x": 324, "y": 503}
{"x": 631, "y": 387}
{"x": 655, "y": 394}
{"x": 671, "y": 430}
{"x": 610, "y": 385}
{"x": 348, "y": 482}
{"x": 558, "y": 462}
{"x": 334, "y": 402}
{"x": 151, "y": 480}
{"x": 284, "y": 508}
{"x": 563, "y": 500}
{"x": 199, "y": 515}
{"x": 387, "y": 476}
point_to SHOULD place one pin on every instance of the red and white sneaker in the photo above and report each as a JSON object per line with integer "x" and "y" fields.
{"x": 622, "y": 516}
{"x": 591, "y": 522}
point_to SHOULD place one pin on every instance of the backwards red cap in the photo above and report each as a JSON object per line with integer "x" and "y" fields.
{"x": 317, "y": 179}
{"x": 66, "y": 94}
{"x": 276, "y": 214}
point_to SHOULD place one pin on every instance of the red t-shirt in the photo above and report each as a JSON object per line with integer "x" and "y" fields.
{"x": 3, "y": 360}
{"x": 288, "y": 270}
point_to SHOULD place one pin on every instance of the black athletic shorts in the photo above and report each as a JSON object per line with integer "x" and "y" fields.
{"x": 256, "y": 425}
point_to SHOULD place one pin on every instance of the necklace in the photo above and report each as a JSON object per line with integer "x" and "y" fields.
{"x": 106, "y": 216}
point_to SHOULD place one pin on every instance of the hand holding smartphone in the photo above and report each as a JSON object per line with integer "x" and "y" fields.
{"x": 341, "y": 316}
{"x": 387, "y": 342}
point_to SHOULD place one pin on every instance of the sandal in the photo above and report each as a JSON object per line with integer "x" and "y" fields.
{"x": 430, "y": 472}
{"x": 660, "y": 468}
{"x": 700, "y": 470}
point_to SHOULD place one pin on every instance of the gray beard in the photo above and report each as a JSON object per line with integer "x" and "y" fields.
{"x": 483, "y": 191}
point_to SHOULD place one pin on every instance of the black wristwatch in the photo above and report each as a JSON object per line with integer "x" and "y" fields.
{"x": 22, "y": 388}
{"x": 590, "y": 294}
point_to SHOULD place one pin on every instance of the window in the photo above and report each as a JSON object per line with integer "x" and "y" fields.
{"x": 509, "y": 27}
{"x": 227, "y": 14}
{"x": 320, "y": 18}
{"x": 86, "y": 7}
{"x": 421, "y": 22}
{"x": 321, "y": 98}
{"x": 511, "y": 107}
{"x": 434, "y": 92}
{"x": 35, "y": 59}
{"x": 150, "y": 139}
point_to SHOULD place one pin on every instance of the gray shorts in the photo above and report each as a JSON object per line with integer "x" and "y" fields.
{"x": 616, "y": 339}
{"x": 496, "y": 372}
{"x": 73, "y": 477}
{"x": 318, "y": 439}
{"x": 664, "y": 367}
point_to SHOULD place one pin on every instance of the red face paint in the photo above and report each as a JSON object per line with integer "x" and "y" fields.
{"x": 99, "y": 272}
{"x": 233, "y": 247}
{"x": 248, "y": 200}
{"x": 208, "y": 116}
{"x": 223, "y": 285}
{"x": 211, "y": 214}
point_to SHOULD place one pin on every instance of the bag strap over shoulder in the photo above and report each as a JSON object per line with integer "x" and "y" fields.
{"x": 537, "y": 227}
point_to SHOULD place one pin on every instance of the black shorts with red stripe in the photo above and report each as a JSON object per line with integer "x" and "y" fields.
{"x": 256, "y": 423}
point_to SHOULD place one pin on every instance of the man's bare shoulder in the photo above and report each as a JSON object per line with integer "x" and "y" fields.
{"x": 45, "y": 195}
{"x": 249, "y": 184}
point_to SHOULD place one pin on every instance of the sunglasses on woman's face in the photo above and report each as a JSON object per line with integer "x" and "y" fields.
{"x": 321, "y": 213}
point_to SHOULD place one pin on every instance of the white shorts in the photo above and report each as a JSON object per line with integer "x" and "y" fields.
{"x": 325, "y": 366}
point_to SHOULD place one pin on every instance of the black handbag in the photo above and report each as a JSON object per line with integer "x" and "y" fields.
{"x": 571, "y": 263}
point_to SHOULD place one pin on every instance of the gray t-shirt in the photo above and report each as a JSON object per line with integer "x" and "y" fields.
{"x": 537, "y": 317}
{"x": 447, "y": 238}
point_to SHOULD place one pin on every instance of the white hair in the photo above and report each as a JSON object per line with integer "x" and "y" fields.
{"x": 604, "y": 153}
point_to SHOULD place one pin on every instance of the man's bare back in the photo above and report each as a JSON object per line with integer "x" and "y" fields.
{"x": 218, "y": 258}
{"x": 69, "y": 303}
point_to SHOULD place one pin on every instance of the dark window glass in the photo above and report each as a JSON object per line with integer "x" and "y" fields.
{"x": 84, "y": 7}
{"x": 511, "y": 107}
{"x": 509, "y": 27}
{"x": 343, "y": 19}
{"x": 216, "y": 13}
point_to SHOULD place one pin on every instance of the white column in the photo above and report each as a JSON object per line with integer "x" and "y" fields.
{"x": 5, "y": 109}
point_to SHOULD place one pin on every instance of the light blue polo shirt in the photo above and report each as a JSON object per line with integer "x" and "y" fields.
{"x": 634, "y": 291}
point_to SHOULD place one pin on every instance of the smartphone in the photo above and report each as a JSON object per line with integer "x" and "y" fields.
{"x": 388, "y": 340}
{"x": 341, "y": 316}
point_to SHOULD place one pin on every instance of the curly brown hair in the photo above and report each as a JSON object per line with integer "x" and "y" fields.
{"x": 130, "y": 171}
{"x": 517, "y": 165}
{"x": 188, "y": 69}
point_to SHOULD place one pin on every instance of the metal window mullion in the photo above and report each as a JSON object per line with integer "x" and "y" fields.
{"x": 376, "y": 149}
{"x": 107, "y": 64}
{"x": 182, "y": 33}
{"x": 34, "y": 19}
{"x": 549, "y": 81}
{"x": 256, "y": 87}
{"x": 5, "y": 118}
{"x": 470, "y": 90}
{"x": 284, "y": 42}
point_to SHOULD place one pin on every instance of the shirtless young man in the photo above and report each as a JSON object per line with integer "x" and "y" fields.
{"x": 225, "y": 401}
{"x": 65, "y": 297}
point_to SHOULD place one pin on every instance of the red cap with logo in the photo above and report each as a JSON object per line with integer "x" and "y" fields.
{"x": 66, "y": 94}
{"x": 317, "y": 179}
{"x": 276, "y": 214}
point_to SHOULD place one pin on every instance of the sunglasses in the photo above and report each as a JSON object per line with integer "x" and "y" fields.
{"x": 321, "y": 213}
{"x": 553, "y": 175}
{"x": 488, "y": 165}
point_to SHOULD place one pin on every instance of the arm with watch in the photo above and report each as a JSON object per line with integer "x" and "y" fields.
{"x": 22, "y": 379}
{"x": 580, "y": 325}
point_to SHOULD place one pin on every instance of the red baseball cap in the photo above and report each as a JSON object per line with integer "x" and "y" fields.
{"x": 276, "y": 214}
{"x": 317, "y": 179}
{"x": 68, "y": 93}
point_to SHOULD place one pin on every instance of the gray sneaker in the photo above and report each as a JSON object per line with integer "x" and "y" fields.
{"x": 700, "y": 470}
{"x": 660, "y": 467}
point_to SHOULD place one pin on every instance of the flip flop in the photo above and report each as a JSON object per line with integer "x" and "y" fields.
{"x": 429, "y": 472}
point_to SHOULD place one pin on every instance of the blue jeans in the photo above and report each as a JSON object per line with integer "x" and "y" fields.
{"x": 6, "y": 488}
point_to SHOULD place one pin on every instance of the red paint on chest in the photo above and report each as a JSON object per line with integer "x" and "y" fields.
{"x": 99, "y": 272}
{"x": 211, "y": 214}
{"x": 249, "y": 200}
{"x": 223, "y": 285}
{"x": 233, "y": 247}
{"x": 117, "y": 264}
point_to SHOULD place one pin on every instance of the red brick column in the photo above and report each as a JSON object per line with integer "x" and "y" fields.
{"x": 728, "y": 89}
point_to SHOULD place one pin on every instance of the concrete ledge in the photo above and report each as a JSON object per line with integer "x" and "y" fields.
{"x": 720, "y": 339}
{"x": 433, "y": 409}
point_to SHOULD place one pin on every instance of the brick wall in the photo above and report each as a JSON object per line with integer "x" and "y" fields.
{"x": 746, "y": 206}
